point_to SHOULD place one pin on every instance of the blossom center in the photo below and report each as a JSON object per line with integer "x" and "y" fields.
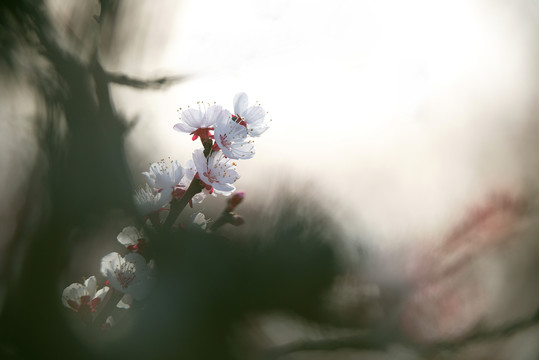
{"x": 139, "y": 247}
{"x": 125, "y": 274}
{"x": 225, "y": 142}
{"x": 211, "y": 177}
{"x": 239, "y": 120}
{"x": 84, "y": 305}
{"x": 203, "y": 133}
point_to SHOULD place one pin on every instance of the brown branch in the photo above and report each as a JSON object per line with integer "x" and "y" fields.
{"x": 177, "y": 205}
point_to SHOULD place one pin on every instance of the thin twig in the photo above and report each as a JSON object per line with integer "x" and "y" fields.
{"x": 224, "y": 218}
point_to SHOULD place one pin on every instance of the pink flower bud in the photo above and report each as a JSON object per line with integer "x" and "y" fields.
{"x": 235, "y": 200}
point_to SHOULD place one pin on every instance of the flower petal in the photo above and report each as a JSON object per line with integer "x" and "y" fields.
{"x": 109, "y": 263}
{"x": 223, "y": 188}
{"x": 147, "y": 200}
{"x": 125, "y": 273}
{"x": 213, "y": 114}
{"x": 184, "y": 128}
{"x": 258, "y": 130}
{"x": 140, "y": 266}
{"x": 150, "y": 179}
{"x": 193, "y": 118}
{"x": 233, "y": 140}
{"x": 254, "y": 115}
{"x": 99, "y": 296}
{"x": 91, "y": 285}
{"x": 240, "y": 103}
{"x": 129, "y": 236}
{"x": 198, "y": 221}
{"x": 200, "y": 161}
{"x": 125, "y": 302}
{"x": 72, "y": 294}
{"x": 199, "y": 198}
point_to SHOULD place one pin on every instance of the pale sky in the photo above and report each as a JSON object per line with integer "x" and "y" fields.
{"x": 381, "y": 103}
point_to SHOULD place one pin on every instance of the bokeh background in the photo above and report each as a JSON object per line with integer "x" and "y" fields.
{"x": 403, "y": 119}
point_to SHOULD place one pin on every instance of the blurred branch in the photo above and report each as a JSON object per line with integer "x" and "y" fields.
{"x": 368, "y": 341}
{"x": 83, "y": 176}
{"x": 109, "y": 8}
{"x": 375, "y": 341}
{"x": 497, "y": 333}
{"x": 158, "y": 83}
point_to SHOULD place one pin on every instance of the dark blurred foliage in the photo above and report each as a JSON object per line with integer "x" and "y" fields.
{"x": 16, "y": 27}
{"x": 206, "y": 283}
{"x": 209, "y": 284}
{"x": 80, "y": 175}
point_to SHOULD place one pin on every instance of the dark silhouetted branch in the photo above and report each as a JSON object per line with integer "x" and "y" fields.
{"x": 159, "y": 83}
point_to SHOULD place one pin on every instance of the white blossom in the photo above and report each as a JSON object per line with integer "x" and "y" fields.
{"x": 164, "y": 178}
{"x": 233, "y": 139}
{"x": 129, "y": 274}
{"x": 198, "y": 122}
{"x": 81, "y": 298}
{"x": 148, "y": 200}
{"x": 252, "y": 117}
{"x": 189, "y": 174}
{"x": 132, "y": 239}
{"x": 199, "y": 221}
{"x": 216, "y": 171}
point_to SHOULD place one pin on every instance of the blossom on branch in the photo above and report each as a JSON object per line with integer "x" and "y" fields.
{"x": 148, "y": 200}
{"x": 189, "y": 174}
{"x": 233, "y": 139}
{"x": 84, "y": 298}
{"x": 199, "y": 122}
{"x": 199, "y": 221}
{"x": 132, "y": 239}
{"x": 129, "y": 274}
{"x": 164, "y": 178}
{"x": 217, "y": 172}
{"x": 251, "y": 117}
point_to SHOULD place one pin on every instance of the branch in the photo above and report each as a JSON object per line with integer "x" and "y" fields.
{"x": 177, "y": 205}
{"x": 109, "y": 9}
{"x": 369, "y": 341}
{"x": 497, "y": 333}
{"x": 159, "y": 83}
{"x": 373, "y": 341}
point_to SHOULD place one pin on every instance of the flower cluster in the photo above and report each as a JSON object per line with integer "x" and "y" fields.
{"x": 225, "y": 136}
{"x": 128, "y": 278}
{"x": 128, "y": 274}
